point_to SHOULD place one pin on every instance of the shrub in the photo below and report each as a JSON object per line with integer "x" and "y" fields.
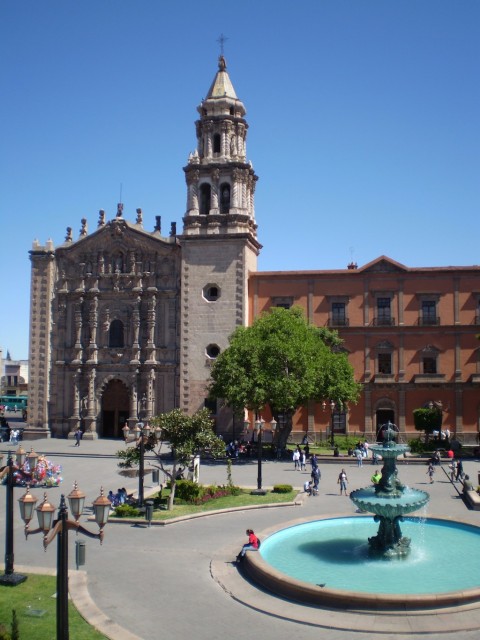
{"x": 282, "y": 488}
{"x": 416, "y": 445}
{"x": 187, "y": 490}
{"x": 126, "y": 511}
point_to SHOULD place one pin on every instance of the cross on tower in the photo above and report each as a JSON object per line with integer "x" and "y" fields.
{"x": 222, "y": 39}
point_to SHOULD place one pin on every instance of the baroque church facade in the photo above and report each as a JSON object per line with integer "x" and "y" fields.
{"x": 124, "y": 322}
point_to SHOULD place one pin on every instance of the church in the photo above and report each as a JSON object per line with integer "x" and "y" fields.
{"x": 125, "y": 322}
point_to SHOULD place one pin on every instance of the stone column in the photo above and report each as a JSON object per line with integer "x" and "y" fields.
{"x": 150, "y": 387}
{"x": 151, "y": 315}
{"x": 74, "y": 419}
{"x": 91, "y": 419}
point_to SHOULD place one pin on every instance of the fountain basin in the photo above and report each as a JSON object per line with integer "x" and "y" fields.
{"x": 367, "y": 499}
{"x": 334, "y": 554}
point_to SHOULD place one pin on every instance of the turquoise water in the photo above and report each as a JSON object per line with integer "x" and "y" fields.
{"x": 444, "y": 556}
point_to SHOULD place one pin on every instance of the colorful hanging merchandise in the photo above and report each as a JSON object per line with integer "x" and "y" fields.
{"x": 44, "y": 474}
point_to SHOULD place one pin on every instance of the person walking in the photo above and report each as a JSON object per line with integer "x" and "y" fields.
{"x": 342, "y": 481}
{"x": 78, "y": 437}
{"x": 460, "y": 472}
{"x": 358, "y": 455}
{"x": 453, "y": 469}
{"x": 296, "y": 459}
{"x": 431, "y": 471}
{"x": 303, "y": 461}
{"x": 316, "y": 475}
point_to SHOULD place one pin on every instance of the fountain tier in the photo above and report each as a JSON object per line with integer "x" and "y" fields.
{"x": 389, "y": 500}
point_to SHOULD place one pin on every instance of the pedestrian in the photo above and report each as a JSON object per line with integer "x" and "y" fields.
{"x": 316, "y": 475}
{"x": 314, "y": 461}
{"x": 303, "y": 461}
{"x": 296, "y": 459}
{"x": 431, "y": 471}
{"x": 453, "y": 469}
{"x": 307, "y": 487}
{"x": 460, "y": 472}
{"x": 342, "y": 481}
{"x": 366, "y": 448}
{"x": 374, "y": 458}
{"x": 253, "y": 543}
{"x": 78, "y": 437}
{"x": 359, "y": 456}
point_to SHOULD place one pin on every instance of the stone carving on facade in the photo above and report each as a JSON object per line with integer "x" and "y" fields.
{"x": 69, "y": 235}
{"x": 101, "y": 218}
{"x": 84, "y": 227}
{"x": 139, "y": 219}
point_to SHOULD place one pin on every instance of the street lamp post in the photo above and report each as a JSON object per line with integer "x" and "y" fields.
{"x": 142, "y": 431}
{"x": 259, "y": 425}
{"x": 332, "y": 409}
{"x": 10, "y": 578}
{"x": 61, "y": 527}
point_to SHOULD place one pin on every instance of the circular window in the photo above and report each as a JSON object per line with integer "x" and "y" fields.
{"x": 211, "y": 292}
{"x": 213, "y": 351}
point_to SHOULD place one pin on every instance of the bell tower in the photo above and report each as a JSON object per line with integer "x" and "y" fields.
{"x": 219, "y": 241}
{"x": 220, "y": 182}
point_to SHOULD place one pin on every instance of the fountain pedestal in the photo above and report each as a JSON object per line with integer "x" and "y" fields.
{"x": 389, "y": 500}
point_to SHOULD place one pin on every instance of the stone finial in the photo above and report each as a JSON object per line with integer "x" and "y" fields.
{"x": 119, "y": 210}
{"x": 84, "y": 229}
{"x": 139, "y": 219}
{"x": 101, "y": 218}
{"x": 173, "y": 228}
{"x": 158, "y": 224}
{"x": 69, "y": 235}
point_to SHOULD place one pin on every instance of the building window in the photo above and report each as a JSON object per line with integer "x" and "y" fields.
{"x": 429, "y": 312}
{"x": 211, "y": 405}
{"x": 211, "y": 292}
{"x": 216, "y": 143}
{"x": 339, "y": 314}
{"x": 283, "y": 303}
{"x": 115, "y": 335}
{"x": 213, "y": 351}
{"x": 429, "y": 364}
{"x": 205, "y": 199}
{"x": 384, "y": 314}
{"x": 384, "y": 363}
{"x": 224, "y": 198}
{"x": 429, "y": 359}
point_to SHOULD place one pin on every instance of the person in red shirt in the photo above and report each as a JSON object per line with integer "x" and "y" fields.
{"x": 253, "y": 543}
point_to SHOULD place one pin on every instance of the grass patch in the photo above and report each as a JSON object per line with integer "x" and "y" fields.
{"x": 243, "y": 499}
{"x": 32, "y": 597}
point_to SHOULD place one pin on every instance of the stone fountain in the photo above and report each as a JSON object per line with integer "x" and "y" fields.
{"x": 389, "y": 500}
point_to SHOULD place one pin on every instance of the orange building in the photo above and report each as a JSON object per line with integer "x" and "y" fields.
{"x": 410, "y": 334}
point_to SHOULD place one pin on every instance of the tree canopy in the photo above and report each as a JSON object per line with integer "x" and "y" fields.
{"x": 427, "y": 419}
{"x": 282, "y": 361}
{"x": 186, "y": 436}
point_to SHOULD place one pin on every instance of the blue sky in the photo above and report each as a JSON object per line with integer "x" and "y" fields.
{"x": 363, "y": 114}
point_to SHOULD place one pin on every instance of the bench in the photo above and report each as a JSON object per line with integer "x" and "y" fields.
{"x": 472, "y": 499}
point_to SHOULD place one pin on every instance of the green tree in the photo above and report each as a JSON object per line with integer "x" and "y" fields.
{"x": 427, "y": 419}
{"x": 282, "y": 361}
{"x": 186, "y": 436}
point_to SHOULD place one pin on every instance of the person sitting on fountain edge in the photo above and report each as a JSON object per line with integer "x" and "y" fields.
{"x": 252, "y": 544}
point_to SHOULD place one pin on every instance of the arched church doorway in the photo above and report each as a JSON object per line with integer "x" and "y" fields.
{"x": 382, "y": 417}
{"x": 115, "y": 409}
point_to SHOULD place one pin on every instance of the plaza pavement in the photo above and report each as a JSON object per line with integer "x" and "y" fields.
{"x": 177, "y": 581}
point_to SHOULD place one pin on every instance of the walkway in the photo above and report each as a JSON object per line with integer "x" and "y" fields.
{"x": 158, "y": 581}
